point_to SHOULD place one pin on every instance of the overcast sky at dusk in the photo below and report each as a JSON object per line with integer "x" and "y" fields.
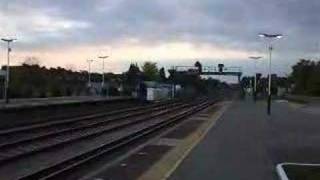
{"x": 169, "y": 32}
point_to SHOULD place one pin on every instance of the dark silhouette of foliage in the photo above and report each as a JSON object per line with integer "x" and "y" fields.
{"x": 131, "y": 79}
{"x": 306, "y": 77}
{"x": 162, "y": 75}
{"x": 35, "y": 81}
{"x": 150, "y": 71}
{"x": 199, "y": 66}
{"x": 31, "y": 80}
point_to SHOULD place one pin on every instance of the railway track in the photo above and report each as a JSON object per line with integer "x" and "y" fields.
{"x": 118, "y": 129}
{"x": 69, "y": 120}
{"x": 13, "y": 118}
{"x": 42, "y": 139}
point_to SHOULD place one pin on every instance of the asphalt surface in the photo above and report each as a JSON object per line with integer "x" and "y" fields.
{"x": 247, "y": 144}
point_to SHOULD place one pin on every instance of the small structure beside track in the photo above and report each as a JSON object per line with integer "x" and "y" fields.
{"x": 158, "y": 91}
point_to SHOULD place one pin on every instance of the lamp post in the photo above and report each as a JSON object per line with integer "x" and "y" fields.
{"x": 6, "y": 91}
{"x": 89, "y": 72}
{"x": 270, "y": 38}
{"x": 255, "y": 58}
{"x": 102, "y": 83}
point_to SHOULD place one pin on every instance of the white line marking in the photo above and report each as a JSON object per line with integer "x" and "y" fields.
{"x": 282, "y": 174}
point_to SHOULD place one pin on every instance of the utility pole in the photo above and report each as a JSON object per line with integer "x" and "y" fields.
{"x": 6, "y": 91}
{"x": 173, "y": 81}
{"x": 89, "y": 72}
{"x": 270, "y": 37}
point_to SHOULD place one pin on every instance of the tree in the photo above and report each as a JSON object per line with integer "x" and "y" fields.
{"x": 70, "y": 67}
{"x": 31, "y": 61}
{"x": 305, "y": 75}
{"x": 134, "y": 69}
{"x": 133, "y": 74}
{"x": 199, "y": 66}
{"x": 162, "y": 74}
{"x": 150, "y": 71}
{"x": 131, "y": 79}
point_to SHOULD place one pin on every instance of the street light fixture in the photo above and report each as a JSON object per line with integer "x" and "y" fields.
{"x": 255, "y": 58}
{"x": 103, "y": 59}
{"x": 270, "y": 38}
{"x": 89, "y": 72}
{"x": 102, "y": 83}
{"x": 6, "y": 91}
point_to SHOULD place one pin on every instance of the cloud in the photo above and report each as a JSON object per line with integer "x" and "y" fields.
{"x": 36, "y": 27}
{"x": 224, "y": 29}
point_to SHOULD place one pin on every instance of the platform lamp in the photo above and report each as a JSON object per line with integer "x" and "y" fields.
{"x": 6, "y": 91}
{"x": 89, "y": 61}
{"x": 103, "y": 58}
{"x": 270, "y": 38}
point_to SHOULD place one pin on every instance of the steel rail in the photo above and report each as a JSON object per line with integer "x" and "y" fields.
{"x": 67, "y": 166}
{"x": 56, "y": 142}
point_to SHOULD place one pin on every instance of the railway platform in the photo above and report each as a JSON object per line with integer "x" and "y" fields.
{"x": 246, "y": 143}
{"x": 52, "y": 101}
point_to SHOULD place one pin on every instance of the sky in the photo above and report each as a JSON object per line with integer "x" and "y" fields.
{"x": 170, "y": 32}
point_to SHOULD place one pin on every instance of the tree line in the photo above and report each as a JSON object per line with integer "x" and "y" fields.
{"x": 305, "y": 77}
{"x": 32, "y": 80}
{"x": 191, "y": 82}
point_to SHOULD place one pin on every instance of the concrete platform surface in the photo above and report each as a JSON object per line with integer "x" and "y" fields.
{"x": 246, "y": 143}
{"x": 33, "y": 102}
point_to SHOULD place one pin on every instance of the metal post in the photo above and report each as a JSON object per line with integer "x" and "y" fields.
{"x": 270, "y": 37}
{"x": 255, "y": 82}
{"x": 254, "y": 93}
{"x": 103, "y": 77}
{"x": 89, "y": 83}
{"x": 89, "y": 72}
{"x": 174, "y": 83}
{"x": 107, "y": 90}
{"x": 255, "y": 77}
{"x": 269, "y": 84}
{"x": 6, "y": 91}
{"x": 102, "y": 83}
